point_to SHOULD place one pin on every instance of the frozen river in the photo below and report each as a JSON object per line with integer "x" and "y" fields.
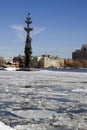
{"x": 44, "y": 100}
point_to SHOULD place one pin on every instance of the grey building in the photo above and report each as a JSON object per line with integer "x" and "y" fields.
{"x": 80, "y": 54}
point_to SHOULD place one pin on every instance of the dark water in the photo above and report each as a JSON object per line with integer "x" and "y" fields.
{"x": 83, "y": 70}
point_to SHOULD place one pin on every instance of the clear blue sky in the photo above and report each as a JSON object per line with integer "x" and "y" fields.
{"x": 60, "y": 26}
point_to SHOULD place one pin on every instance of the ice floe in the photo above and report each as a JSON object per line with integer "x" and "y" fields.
{"x": 43, "y": 100}
{"x": 79, "y": 90}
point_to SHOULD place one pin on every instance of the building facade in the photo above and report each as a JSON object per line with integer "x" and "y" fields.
{"x": 48, "y": 61}
{"x": 80, "y": 54}
{"x": 43, "y": 61}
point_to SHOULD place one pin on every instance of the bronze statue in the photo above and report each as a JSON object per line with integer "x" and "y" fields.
{"x": 28, "y": 48}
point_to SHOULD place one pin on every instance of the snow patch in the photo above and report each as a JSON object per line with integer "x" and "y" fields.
{"x": 43, "y": 114}
{"x": 79, "y": 90}
{"x": 5, "y": 127}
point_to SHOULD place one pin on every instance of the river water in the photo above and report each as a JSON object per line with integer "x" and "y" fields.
{"x": 44, "y": 100}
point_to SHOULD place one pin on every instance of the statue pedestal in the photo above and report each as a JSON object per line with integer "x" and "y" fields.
{"x": 28, "y": 69}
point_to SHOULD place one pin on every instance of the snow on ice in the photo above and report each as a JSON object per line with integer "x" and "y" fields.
{"x": 4, "y": 127}
{"x": 43, "y": 100}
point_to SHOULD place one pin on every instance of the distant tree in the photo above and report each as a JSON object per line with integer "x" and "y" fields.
{"x": 79, "y": 63}
{"x": 84, "y": 63}
{"x": 2, "y": 61}
{"x": 67, "y": 63}
{"x": 76, "y": 64}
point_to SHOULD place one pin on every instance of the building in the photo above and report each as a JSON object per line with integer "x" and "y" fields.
{"x": 43, "y": 61}
{"x": 9, "y": 60}
{"x": 18, "y": 61}
{"x": 48, "y": 61}
{"x": 80, "y": 54}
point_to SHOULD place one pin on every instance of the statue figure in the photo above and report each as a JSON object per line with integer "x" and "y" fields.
{"x": 28, "y": 48}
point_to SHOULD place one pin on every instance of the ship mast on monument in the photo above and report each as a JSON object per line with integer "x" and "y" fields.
{"x": 28, "y": 48}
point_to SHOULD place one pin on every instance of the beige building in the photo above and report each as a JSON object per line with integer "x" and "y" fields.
{"x": 48, "y": 61}
{"x": 9, "y": 60}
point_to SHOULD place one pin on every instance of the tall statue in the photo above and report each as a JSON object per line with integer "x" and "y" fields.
{"x": 28, "y": 48}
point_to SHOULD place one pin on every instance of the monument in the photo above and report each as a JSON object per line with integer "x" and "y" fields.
{"x": 28, "y": 48}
